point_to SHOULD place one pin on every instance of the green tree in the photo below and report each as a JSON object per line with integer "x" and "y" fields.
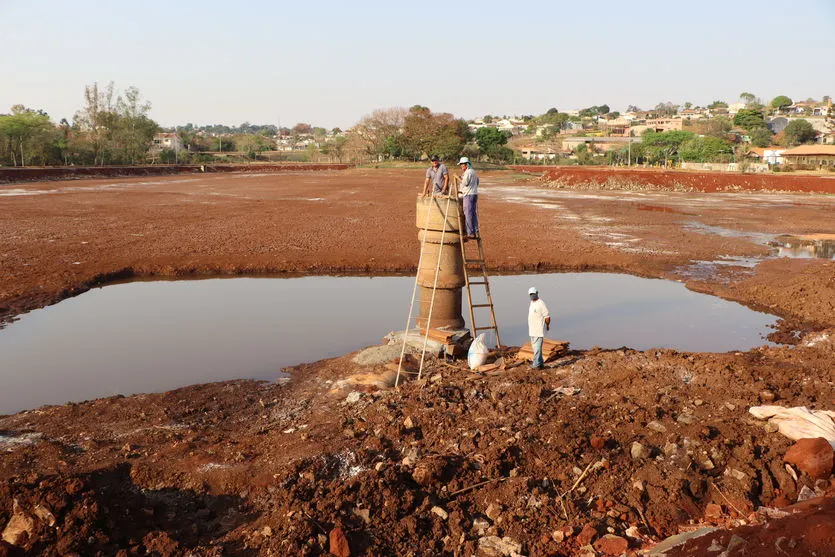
{"x": 490, "y": 137}
{"x": 749, "y": 118}
{"x": 425, "y": 133}
{"x": 747, "y": 97}
{"x": 761, "y": 137}
{"x": 662, "y": 146}
{"x": 781, "y": 102}
{"x": 134, "y": 130}
{"x": 27, "y": 133}
{"x": 717, "y": 104}
{"x": 706, "y": 149}
{"x": 798, "y": 132}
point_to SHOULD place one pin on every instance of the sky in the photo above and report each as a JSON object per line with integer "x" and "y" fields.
{"x": 329, "y": 63}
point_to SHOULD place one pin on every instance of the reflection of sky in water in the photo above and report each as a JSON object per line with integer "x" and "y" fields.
{"x": 155, "y": 336}
{"x": 822, "y": 249}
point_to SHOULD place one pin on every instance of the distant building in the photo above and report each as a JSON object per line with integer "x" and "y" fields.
{"x": 692, "y": 114}
{"x": 598, "y": 143}
{"x": 538, "y": 153}
{"x": 664, "y": 124}
{"x": 811, "y": 155}
{"x": 776, "y": 125}
{"x": 770, "y": 155}
{"x": 167, "y": 140}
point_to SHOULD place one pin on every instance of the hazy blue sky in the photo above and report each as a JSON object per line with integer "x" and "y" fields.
{"x": 329, "y": 63}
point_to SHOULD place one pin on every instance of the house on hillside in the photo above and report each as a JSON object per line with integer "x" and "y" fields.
{"x": 822, "y": 156}
{"x": 598, "y": 143}
{"x": 664, "y": 124}
{"x": 770, "y": 155}
{"x": 166, "y": 140}
{"x": 776, "y": 125}
{"x": 538, "y": 153}
{"x": 692, "y": 114}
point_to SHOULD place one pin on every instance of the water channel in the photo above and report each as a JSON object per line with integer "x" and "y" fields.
{"x": 155, "y": 336}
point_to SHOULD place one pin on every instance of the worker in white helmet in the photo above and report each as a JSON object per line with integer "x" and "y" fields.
{"x": 539, "y": 321}
{"x": 469, "y": 192}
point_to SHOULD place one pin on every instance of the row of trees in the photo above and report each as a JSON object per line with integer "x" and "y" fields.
{"x": 110, "y": 128}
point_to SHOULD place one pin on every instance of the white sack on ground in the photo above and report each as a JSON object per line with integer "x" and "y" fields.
{"x": 478, "y": 352}
{"x": 799, "y": 422}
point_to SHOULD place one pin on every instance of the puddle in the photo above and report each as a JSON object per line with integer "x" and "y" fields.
{"x": 156, "y": 336}
{"x": 806, "y": 247}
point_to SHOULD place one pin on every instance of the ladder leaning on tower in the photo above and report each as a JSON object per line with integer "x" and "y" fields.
{"x": 433, "y": 205}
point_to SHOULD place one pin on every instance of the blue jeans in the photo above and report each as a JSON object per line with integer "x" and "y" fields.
{"x": 536, "y": 345}
{"x": 471, "y": 214}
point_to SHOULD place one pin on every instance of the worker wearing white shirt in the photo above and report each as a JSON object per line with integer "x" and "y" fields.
{"x": 469, "y": 192}
{"x": 539, "y": 321}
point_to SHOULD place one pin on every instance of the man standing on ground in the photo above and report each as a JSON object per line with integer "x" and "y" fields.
{"x": 539, "y": 321}
{"x": 438, "y": 176}
{"x": 469, "y": 190}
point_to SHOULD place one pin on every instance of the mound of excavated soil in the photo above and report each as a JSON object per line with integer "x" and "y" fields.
{"x": 649, "y": 443}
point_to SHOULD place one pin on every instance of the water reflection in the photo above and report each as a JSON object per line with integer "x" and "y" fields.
{"x": 807, "y": 248}
{"x": 155, "y": 336}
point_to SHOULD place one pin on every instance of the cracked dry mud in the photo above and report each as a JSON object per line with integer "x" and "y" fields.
{"x": 459, "y": 463}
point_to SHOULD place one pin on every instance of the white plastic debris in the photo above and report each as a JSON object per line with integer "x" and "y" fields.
{"x": 799, "y": 422}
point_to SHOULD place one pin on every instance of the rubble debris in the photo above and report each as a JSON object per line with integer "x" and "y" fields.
{"x": 813, "y": 456}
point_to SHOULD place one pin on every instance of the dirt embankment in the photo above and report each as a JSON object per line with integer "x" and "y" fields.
{"x": 62, "y": 238}
{"x": 637, "y": 445}
{"x": 634, "y": 445}
{"x": 676, "y": 180}
{"x": 39, "y": 174}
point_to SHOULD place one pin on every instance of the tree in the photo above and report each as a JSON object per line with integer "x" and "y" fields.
{"x": 301, "y": 128}
{"x": 747, "y": 97}
{"x": 27, "y": 132}
{"x": 633, "y": 108}
{"x": 717, "y": 104}
{"x": 799, "y": 131}
{"x": 781, "y": 102}
{"x": 95, "y": 119}
{"x": 133, "y": 130}
{"x": 665, "y": 109}
{"x": 706, "y": 149}
{"x": 749, "y": 118}
{"x": 662, "y": 146}
{"x": 374, "y": 130}
{"x": 425, "y": 133}
{"x": 761, "y": 137}
{"x": 487, "y": 119}
{"x": 688, "y": 105}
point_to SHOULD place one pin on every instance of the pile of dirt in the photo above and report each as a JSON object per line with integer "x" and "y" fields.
{"x": 622, "y": 179}
{"x": 604, "y": 448}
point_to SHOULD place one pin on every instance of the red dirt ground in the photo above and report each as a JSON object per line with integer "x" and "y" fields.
{"x": 683, "y": 180}
{"x": 445, "y": 465}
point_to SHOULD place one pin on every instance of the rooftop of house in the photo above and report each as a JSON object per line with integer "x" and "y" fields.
{"x": 810, "y": 150}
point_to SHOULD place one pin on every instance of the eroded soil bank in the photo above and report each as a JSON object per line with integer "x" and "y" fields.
{"x": 459, "y": 463}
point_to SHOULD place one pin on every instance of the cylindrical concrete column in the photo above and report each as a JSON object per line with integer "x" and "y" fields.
{"x": 443, "y": 215}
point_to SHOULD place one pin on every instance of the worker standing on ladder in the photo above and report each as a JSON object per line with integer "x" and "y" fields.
{"x": 438, "y": 176}
{"x": 539, "y": 321}
{"x": 469, "y": 192}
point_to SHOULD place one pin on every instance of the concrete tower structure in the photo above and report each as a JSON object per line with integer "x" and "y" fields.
{"x": 440, "y": 216}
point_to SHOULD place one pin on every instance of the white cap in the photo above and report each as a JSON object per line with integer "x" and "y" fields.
{"x": 533, "y": 290}
{"x": 463, "y": 160}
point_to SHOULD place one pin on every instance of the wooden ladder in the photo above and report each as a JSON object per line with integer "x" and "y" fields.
{"x": 478, "y": 267}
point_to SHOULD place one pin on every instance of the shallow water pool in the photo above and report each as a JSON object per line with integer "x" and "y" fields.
{"x": 156, "y": 336}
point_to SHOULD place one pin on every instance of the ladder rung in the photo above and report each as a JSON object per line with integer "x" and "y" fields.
{"x": 474, "y": 261}
{"x": 482, "y": 305}
{"x": 484, "y": 328}
{"x": 478, "y": 282}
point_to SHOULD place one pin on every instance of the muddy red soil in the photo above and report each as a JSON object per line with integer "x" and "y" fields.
{"x": 681, "y": 180}
{"x": 459, "y": 463}
{"x": 37, "y": 174}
